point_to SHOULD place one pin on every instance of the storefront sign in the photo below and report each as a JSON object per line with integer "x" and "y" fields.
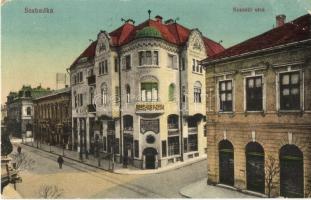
{"x": 152, "y": 107}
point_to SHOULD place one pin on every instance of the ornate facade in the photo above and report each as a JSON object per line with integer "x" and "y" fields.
{"x": 138, "y": 93}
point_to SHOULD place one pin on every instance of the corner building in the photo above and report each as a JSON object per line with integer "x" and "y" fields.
{"x": 138, "y": 93}
{"x": 259, "y": 111}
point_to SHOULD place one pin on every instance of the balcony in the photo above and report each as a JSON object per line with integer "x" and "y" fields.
{"x": 192, "y": 130}
{"x": 149, "y": 108}
{"x": 91, "y": 108}
{"x": 91, "y": 80}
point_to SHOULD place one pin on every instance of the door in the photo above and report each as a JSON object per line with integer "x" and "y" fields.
{"x": 291, "y": 172}
{"x": 255, "y": 169}
{"x": 150, "y": 161}
{"x": 226, "y": 163}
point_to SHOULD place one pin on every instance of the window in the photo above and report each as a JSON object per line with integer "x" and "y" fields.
{"x": 290, "y": 91}
{"x": 104, "y": 93}
{"x": 149, "y": 92}
{"x": 136, "y": 148}
{"x": 76, "y": 99}
{"x": 105, "y": 143}
{"x": 183, "y": 94}
{"x": 27, "y": 94}
{"x": 164, "y": 148}
{"x": 173, "y": 145}
{"x": 172, "y": 122}
{"x": 103, "y": 67}
{"x": 128, "y": 93}
{"x": 193, "y": 142}
{"x": 225, "y": 95}
{"x": 193, "y": 65}
{"x": 185, "y": 145}
{"x": 117, "y": 99}
{"x": 172, "y": 61}
{"x": 91, "y": 95}
{"x": 28, "y": 111}
{"x": 196, "y": 67}
{"x": 116, "y": 65}
{"x": 254, "y": 93}
{"x": 127, "y": 62}
{"x": 80, "y": 76}
{"x": 171, "y": 92}
{"x": 80, "y": 99}
{"x": 128, "y": 122}
{"x": 197, "y": 92}
{"x": 183, "y": 64}
{"x": 148, "y": 58}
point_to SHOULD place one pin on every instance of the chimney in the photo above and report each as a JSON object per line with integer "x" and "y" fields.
{"x": 169, "y": 21}
{"x": 158, "y": 18}
{"x": 280, "y": 20}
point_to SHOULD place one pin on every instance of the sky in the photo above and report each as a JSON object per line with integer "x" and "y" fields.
{"x": 34, "y": 47}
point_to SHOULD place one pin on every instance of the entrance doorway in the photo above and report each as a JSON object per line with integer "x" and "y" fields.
{"x": 150, "y": 155}
{"x": 255, "y": 167}
{"x": 291, "y": 172}
{"x": 226, "y": 163}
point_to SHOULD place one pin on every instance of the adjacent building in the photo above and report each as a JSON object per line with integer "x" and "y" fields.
{"x": 259, "y": 111}
{"x": 52, "y": 118}
{"x": 138, "y": 93}
{"x": 20, "y": 110}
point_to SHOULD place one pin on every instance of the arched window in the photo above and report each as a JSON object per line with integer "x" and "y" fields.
{"x": 128, "y": 93}
{"x": 28, "y": 111}
{"x": 197, "y": 92}
{"x": 171, "y": 92}
{"x": 104, "y": 93}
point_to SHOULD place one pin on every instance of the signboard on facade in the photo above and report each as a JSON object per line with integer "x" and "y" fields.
{"x": 152, "y": 107}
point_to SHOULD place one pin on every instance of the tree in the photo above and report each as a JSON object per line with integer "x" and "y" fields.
{"x": 50, "y": 192}
{"x": 6, "y": 145}
{"x": 272, "y": 170}
{"x": 21, "y": 161}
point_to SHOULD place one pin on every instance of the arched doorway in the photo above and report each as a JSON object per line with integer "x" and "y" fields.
{"x": 291, "y": 171}
{"x": 226, "y": 163}
{"x": 150, "y": 155}
{"x": 255, "y": 167}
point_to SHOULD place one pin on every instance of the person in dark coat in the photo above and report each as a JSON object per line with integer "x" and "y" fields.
{"x": 60, "y": 161}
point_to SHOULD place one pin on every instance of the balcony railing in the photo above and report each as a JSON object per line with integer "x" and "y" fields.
{"x": 91, "y": 80}
{"x": 192, "y": 130}
{"x": 91, "y": 108}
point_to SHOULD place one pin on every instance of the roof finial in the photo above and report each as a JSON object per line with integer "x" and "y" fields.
{"x": 149, "y": 12}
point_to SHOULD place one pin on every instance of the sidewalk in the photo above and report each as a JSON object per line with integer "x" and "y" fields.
{"x": 10, "y": 193}
{"x": 200, "y": 189}
{"x": 107, "y": 164}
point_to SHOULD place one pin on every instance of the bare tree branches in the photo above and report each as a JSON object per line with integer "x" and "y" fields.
{"x": 272, "y": 170}
{"x": 50, "y": 192}
{"x": 22, "y": 161}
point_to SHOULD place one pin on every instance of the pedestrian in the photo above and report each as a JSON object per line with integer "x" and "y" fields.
{"x": 60, "y": 161}
{"x": 19, "y": 150}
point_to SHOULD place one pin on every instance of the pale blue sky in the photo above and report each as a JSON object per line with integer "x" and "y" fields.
{"x": 36, "y": 46}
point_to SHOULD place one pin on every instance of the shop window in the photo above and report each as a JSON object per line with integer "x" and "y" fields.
{"x": 149, "y": 92}
{"x": 193, "y": 142}
{"x": 173, "y": 145}
{"x": 290, "y": 91}
{"x": 136, "y": 147}
{"x": 225, "y": 95}
{"x": 254, "y": 93}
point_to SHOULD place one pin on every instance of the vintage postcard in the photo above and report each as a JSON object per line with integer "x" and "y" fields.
{"x": 155, "y": 99}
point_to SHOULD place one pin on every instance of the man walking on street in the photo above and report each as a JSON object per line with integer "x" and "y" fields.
{"x": 60, "y": 161}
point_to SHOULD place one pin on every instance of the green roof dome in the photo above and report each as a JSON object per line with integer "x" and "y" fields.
{"x": 148, "y": 32}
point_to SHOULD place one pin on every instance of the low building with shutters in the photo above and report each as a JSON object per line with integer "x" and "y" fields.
{"x": 138, "y": 93}
{"x": 259, "y": 111}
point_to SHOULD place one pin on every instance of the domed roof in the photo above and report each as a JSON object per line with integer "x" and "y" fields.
{"x": 148, "y": 32}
